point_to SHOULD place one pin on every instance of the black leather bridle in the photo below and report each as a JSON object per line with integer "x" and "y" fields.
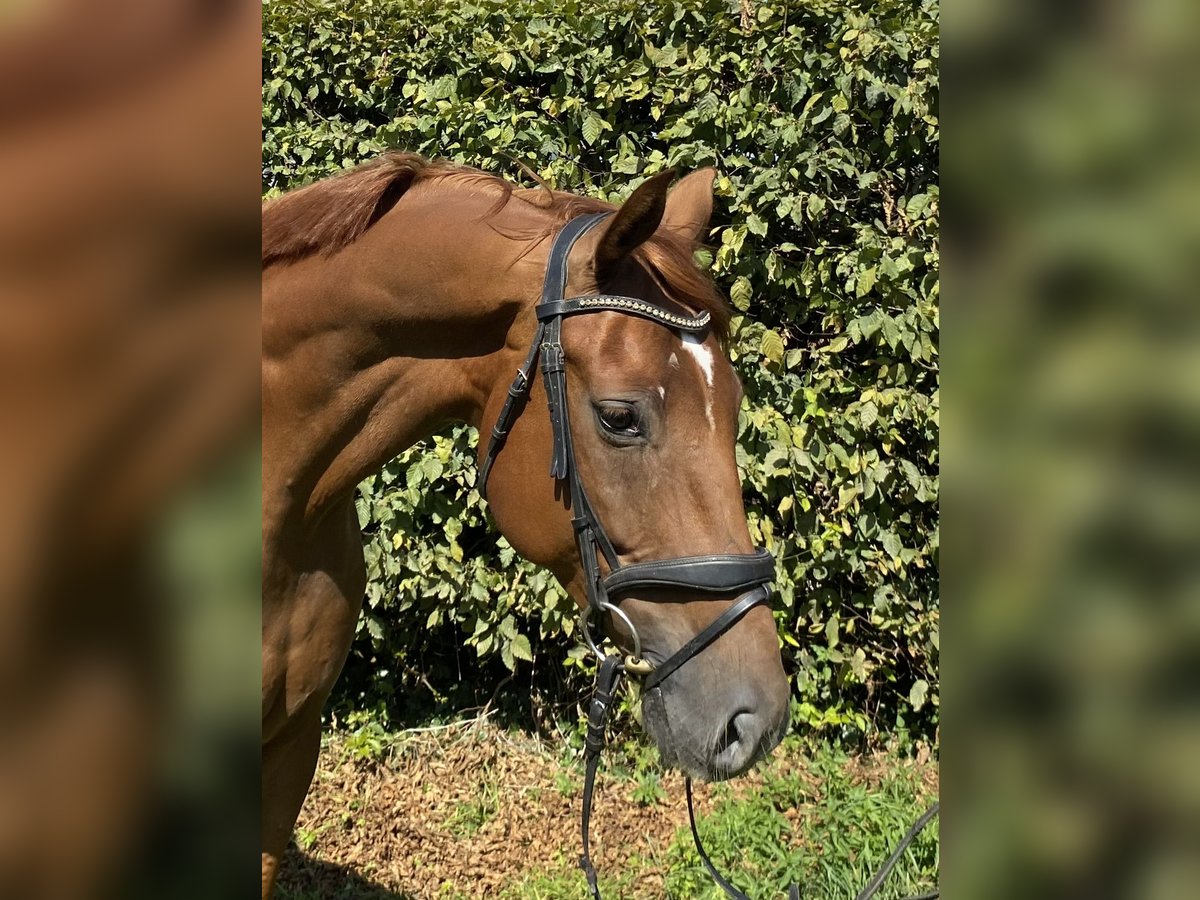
{"x": 745, "y": 575}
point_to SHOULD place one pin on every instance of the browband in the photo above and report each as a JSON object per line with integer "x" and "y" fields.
{"x": 628, "y": 305}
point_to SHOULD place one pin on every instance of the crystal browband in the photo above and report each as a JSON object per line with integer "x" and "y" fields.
{"x": 628, "y": 305}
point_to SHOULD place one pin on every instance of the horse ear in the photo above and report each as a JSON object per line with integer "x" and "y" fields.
{"x": 634, "y": 222}
{"x": 689, "y": 205}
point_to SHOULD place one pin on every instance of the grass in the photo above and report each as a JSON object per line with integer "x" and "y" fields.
{"x": 847, "y": 820}
{"x": 844, "y": 830}
{"x": 813, "y": 814}
{"x": 471, "y": 815}
{"x": 846, "y": 824}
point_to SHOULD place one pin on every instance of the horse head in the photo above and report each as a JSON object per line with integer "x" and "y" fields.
{"x": 652, "y": 412}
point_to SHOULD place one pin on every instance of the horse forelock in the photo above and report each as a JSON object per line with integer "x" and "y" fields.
{"x": 328, "y": 215}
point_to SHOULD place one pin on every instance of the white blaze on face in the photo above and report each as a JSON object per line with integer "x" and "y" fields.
{"x": 704, "y": 359}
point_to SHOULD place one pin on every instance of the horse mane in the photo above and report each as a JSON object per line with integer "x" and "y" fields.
{"x": 328, "y": 215}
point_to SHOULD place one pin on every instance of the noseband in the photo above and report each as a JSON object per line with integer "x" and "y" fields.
{"x": 745, "y": 575}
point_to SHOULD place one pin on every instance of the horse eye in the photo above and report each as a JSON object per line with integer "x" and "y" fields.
{"x": 619, "y": 419}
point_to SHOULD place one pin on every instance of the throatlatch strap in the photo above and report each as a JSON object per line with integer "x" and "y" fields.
{"x": 607, "y": 680}
{"x": 518, "y": 393}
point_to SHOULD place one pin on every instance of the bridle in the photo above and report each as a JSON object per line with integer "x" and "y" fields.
{"x": 746, "y": 575}
{"x": 743, "y": 574}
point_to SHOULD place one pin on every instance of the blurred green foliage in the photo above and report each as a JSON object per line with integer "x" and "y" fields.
{"x": 821, "y": 118}
{"x": 1071, "y": 469}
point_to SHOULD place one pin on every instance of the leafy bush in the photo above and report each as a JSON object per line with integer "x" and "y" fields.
{"x": 821, "y": 118}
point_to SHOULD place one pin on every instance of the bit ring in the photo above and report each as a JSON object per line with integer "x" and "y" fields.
{"x": 605, "y": 607}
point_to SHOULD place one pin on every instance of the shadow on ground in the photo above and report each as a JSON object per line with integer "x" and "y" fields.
{"x": 303, "y": 878}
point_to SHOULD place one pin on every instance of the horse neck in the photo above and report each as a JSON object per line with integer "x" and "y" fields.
{"x": 381, "y": 344}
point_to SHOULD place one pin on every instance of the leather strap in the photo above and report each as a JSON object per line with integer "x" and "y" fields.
{"x": 607, "y": 680}
{"x": 628, "y": 305}
{"x": 518, "y": 394}
{"x": 719, "y": 626}
{"x": 727, "y": 574}
{"x": 722, "y": 882}
{"x": 554, "y": 285}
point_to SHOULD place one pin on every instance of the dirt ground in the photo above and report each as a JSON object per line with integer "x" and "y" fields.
{"x": 468, "y": 810}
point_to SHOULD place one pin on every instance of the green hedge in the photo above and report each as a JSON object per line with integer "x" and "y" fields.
{"x": 822, "y": 120}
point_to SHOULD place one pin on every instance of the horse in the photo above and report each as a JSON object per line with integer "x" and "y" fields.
{"x": 400, "y": 296}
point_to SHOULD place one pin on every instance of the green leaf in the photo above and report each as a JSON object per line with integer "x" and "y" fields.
{"x": 918, "y": 693}
{"x": 521, "y": 649}
{"x": 866, "y": 281}
{"x": 432, "y": 467}
{"x": 916, "y": 205}
{"x": 593, "y": 127}
{"x": 771, "y": 346}
{"x": 891, "y": 330}
{"x": 739, "y": 294}
{"x": 858, "y": 664}
{"x": 891, "y": 543}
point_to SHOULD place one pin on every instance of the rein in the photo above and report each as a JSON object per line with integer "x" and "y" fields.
{"x": 745, "y": 575}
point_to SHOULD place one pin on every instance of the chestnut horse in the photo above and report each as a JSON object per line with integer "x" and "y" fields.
{"x": 399, "y": 297}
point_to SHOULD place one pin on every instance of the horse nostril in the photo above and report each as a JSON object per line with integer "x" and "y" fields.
{"x": 736, "y": 733}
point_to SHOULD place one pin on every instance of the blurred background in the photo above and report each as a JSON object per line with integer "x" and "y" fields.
{"x": 1072, "y": 564}
{"x": 129, "y": 342}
